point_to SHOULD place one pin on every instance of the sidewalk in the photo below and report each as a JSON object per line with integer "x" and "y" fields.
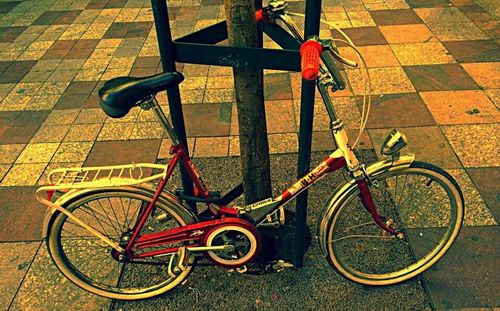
{"x": 435, "y": 70}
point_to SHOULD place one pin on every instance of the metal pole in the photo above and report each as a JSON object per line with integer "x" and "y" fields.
{"x": 258, "y": 6}
{"x": 313, "y": 12}
{"x": 162, "y": 23}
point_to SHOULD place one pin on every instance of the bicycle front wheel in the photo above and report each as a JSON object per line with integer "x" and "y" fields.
{"x": 91, "y": 264}
{"x": 422, "y": 201}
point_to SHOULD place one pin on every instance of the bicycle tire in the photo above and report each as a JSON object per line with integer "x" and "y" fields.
{"x": 86, "y": 260}
{"x": 361, "y": 251}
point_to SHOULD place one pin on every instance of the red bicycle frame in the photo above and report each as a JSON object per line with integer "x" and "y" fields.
{"x": 195, "y": 233}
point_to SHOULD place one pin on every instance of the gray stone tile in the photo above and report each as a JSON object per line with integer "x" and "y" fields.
{"x": 14, "y": 263}
{"x": 476, "y": 212}
{"x": 467, "y": 277}
{"x": 45, "y": 288}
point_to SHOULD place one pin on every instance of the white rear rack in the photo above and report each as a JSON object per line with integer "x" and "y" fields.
{"x": 66, "y": 179}
{"x": 103, "y": 176}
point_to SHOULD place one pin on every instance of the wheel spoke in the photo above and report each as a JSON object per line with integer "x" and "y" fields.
{"x": 115, "y": 266}
{"x": 104, "y": 232}
{"x": 362, "y": 236}
{"x": 402, "y": 190}
{"x": 92, "y": 262}
{"x": 106, "y": 214}
{"x": 129, "y": 221}
{"x": 411, "y": 195}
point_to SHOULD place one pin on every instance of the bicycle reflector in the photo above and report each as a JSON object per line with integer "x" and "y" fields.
{"x": 394, "y": 142}
{"x": 310, "y": 52}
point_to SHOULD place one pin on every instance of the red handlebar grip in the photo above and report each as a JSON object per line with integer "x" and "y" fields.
{"x": 310, "y": 52}
{"x": 260, "y": 16}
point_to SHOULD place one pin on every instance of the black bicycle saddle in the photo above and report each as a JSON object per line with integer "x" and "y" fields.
{"x": 121, "y": 94}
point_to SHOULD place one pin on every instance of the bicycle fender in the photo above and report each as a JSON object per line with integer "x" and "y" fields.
{"x": 50, "y": 213}
{"x": 340, "y": 193}
{"x": 167, "y": 198}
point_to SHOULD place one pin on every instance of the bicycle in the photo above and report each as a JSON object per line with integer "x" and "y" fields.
{"x": 115, "y": 233}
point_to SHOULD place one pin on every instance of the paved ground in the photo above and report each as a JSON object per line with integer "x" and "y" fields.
{"x": 435, "y": 68}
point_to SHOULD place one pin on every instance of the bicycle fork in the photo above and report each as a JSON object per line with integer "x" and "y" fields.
{"x": 369, "y": 204}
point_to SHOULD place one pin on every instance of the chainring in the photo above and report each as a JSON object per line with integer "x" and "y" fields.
{"x": 243, "y": 241}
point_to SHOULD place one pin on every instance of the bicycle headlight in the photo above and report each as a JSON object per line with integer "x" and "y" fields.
{"x": 394, "y": 142}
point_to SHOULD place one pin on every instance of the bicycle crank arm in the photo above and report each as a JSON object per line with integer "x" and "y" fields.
{"x": 179, "y": 260}
{"x": 226, "y": 248}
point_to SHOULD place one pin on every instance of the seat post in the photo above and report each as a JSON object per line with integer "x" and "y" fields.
{"x": 165, "y": 123}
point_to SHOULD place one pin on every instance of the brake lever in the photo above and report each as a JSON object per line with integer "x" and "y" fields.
{"x": 277, "y": 6}
{"x": 342, "y": 59}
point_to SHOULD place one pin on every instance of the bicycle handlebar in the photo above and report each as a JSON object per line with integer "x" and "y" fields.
{"x": 310, "y": 52}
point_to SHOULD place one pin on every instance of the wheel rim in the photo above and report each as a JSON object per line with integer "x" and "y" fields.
{"x": 89, "y": 262}
{"x": 357, "y": 246}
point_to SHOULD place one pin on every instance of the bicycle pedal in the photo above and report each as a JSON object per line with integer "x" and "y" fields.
{"x": 242, "y": 269}
{"x": 183, "y": 258}
{"x": 163, "y": 217}
{"x": 281, "y": 265}
{"x": 178, "y": 262}
{"x": 170, "y": 268}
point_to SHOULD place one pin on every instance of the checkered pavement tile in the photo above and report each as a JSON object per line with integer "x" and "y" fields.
{"x": 434, "y": 68}
{"x": 57, "y": 58}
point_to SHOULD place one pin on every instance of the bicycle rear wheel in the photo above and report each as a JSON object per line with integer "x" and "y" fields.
{"x": 422, "y": 201}
{"x": 90, "y": 263}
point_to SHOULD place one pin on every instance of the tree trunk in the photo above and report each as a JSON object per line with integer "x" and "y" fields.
{"x": 248, "y": 84}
